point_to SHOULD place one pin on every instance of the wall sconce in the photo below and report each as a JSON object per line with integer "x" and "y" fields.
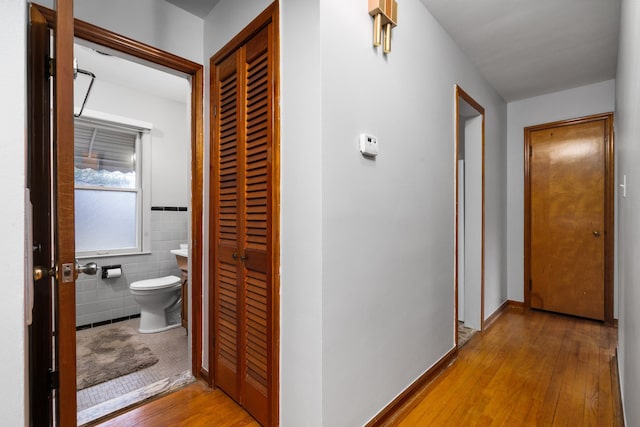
{"x": 385, "y": 14}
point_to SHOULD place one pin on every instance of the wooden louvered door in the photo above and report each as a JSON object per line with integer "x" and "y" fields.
{"x": 243, "y": 131}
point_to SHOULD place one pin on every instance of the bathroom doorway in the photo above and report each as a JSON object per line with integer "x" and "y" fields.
{"x": 469, "y": 233}
{"x": 62, "y": 405}
{"x": 131, "y": 175}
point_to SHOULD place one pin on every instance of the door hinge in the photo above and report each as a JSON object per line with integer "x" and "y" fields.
{"x": 51, "y": 71}
{"x": 215, "y": 110}
{"x": 530, "y": 151}
{"x": 54, "y": 380}
{"x": 530, "y": 285}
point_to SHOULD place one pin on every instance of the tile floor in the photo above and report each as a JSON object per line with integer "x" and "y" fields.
{"x": 171, "y": 349}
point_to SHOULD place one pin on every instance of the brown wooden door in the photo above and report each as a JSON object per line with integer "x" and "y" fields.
{"x": 243, "y": 167}
{"x": 569, "y": 217}
{"x": 64, "y": 220}
{"x": 53, "y": 216}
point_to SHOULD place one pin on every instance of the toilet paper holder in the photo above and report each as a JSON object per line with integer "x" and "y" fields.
{"x": 106, "y": 268}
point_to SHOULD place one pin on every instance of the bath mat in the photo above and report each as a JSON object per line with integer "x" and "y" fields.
{"x": 108, "y": 354}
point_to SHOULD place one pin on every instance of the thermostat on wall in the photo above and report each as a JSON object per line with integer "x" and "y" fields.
{"x": 368, "y": 145}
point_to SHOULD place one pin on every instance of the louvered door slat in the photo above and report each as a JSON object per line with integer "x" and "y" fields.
{"x": 257, "y": 160}
{"x": 257, "y": 169}
{"x": 256, "y": 149}
{"x": 258, "y": 116}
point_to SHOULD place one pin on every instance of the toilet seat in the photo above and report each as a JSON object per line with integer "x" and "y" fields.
{"x": 155, "y": 284}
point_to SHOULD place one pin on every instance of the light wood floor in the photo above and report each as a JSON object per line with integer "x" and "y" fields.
{"x": 193, "y": 406}
{"x": 529, "y": 369}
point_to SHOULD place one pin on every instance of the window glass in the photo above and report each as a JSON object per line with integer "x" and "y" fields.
{"x": 105, "y": 220}
{"x": 107, "y": 189}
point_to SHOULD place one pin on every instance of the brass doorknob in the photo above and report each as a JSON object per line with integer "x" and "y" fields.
{"x": 42, "y": 272}
{"x": 596, "y": 233}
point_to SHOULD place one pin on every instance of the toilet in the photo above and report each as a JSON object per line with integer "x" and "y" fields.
{"x": 160, "y": 302}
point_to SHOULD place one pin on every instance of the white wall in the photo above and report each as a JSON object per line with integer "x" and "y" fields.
{"x": 157, "y": 23}
{"x": 567, "y": 104}
{"x": 628, "y": 153}
{"x": 226, "y": 20}
{"x": 154, "y": 22}
{"x": 473, "y": 222}
{"x": 461, "y": 232}
{"x": 13, "y": 355}
{"x": 388, "y": 223}
{"x": 170, "y": 136}
{"x": 301, "y": 286}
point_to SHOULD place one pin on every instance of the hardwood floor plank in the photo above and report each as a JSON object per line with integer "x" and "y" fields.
{"x": 617, "y": 397}
{"x": 531, "y": 368}
{"x": 514, "y": 385}
{"x": 544, "y": 349}
{"x": 537, "y": 378}
{"x": 569, "y": 390}
{"x": 605, "y": 396}
{"x": 592, "y": 393}
{"x": 478, "y": 367}
{"x": 192, "y": 406}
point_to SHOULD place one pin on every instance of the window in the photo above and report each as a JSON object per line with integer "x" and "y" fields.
{"x": 109, "y": 195}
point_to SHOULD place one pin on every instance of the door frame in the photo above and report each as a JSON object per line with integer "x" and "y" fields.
{"x": 39, "y": 161}
{"x": 194, "y": 71}
{"x": 609, "y": 195}
{"x": 461, "y": 94}
{"x": 269, "y": 16}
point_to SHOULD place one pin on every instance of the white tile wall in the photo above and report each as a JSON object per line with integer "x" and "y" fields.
{"x": 99, "y": 300}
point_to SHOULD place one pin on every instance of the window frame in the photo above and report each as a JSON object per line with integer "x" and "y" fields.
{"x": 143, "y": 180}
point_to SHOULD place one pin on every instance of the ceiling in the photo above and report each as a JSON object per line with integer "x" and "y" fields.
{"x": 121, "y": 71}
{"x": 523, "y": 48}
{"x": 200, "y": 8}
{"x": 526, "y": 48}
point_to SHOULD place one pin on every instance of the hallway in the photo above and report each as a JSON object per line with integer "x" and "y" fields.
{"x": 530, "y": 368}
